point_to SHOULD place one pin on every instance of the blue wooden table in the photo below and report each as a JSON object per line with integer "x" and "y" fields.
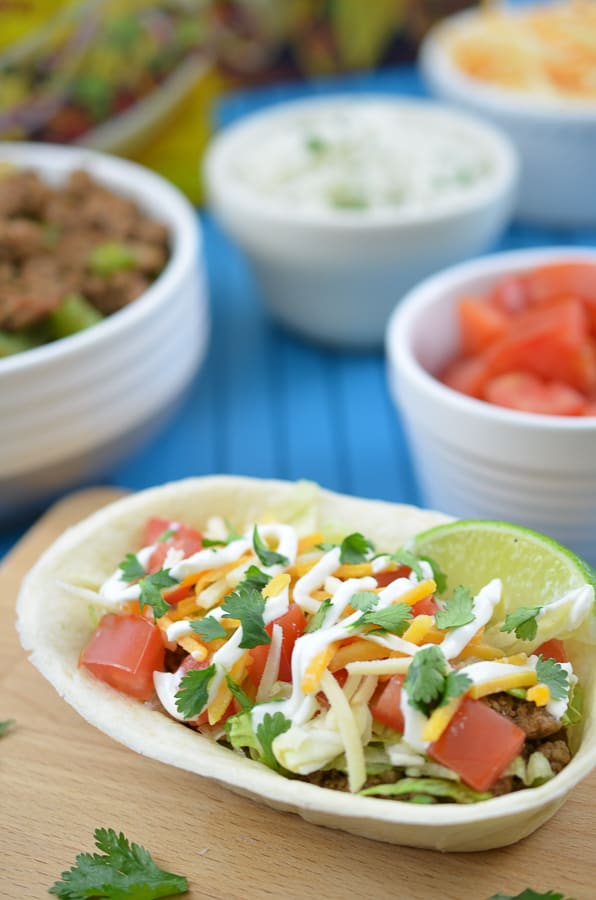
{"x": 268, "y": 404}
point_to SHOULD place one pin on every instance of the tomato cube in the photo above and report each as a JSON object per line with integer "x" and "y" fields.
{"x": 124, "y": 652}
{"x": 385, "y": 705}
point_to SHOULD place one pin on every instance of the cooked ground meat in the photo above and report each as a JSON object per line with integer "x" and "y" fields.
{"x": 534, "y": 720}
{"x": 48, "y": 238}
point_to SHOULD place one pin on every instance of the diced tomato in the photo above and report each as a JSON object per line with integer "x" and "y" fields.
{"x": 468, "y": 376}
{"x": 509, "y": 295}
{"x": 478, "y": 744}
{"x": 385, "y": 578}
{"x": 558, "y": 279}
{"x": 553, "y": 649}
{"x": 425, "y": 607}
{"x": 385, "y": 704}
{"x": 184, "y": 538}
{"x": 124, "y": 652}
{"x": 480, "y": 325}
{"x": 292, "y": 624}
{"x": 529, "y": 393}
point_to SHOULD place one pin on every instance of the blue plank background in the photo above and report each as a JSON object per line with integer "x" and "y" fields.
{"x": 266, "y": 403}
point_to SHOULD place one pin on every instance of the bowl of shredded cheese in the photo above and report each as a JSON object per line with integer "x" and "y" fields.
{"x": 342, "y": 203}
{"x": 530, "y": 70}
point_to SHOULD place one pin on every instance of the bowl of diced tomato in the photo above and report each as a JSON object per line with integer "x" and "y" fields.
{"x": 492, "y": 365}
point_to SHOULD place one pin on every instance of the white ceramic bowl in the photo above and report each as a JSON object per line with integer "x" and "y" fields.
{"x": 555, "y": 139}
{"x": 474, "y": 459}
{"x": 73, "y": 408}
{"x": 334, "y": 275}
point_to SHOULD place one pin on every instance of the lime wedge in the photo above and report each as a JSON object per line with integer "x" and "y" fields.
{"x": 535, "y": 570}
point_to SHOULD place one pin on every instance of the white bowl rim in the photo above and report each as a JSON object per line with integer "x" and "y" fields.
{"x": 248, "y": 203}
{"x": 455, "y": 278}
{"x": 184, "y": 231}
{"x": 434, "y": 58}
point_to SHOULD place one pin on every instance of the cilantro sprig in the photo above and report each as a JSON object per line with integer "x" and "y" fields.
{"x": 193, "y": 691}
{"x": 208, "y": 628}
{"x": 267, "y": 557}
{"x": 5, "y": 726}
{"x": 267, "y": 731}
{"x": 554, "y": 676}
{"x": 393, "y": 619}
{"x": 255, "y": 578}
{"x": 247, "y": 605}
{"x": 151, "y": 588}
{"x": 429, "y": 682}
{"x": 319, "y": 617}
{"x": 530, "y": 894}
{"x": 523, "y": 622}
{"x": 241, "y": 696}
{"x": 119, "y": 870}
{"x": 355, "y": 548}
{"x": 458, "y": 610}
{"x": 131, "y": 568}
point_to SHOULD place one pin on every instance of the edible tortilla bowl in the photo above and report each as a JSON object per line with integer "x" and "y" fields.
{"x": 54, "y": 625}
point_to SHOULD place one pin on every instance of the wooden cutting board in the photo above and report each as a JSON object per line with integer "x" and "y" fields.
{"x": 60, "y": 779}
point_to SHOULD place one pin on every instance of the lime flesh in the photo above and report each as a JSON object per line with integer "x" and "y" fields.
{"x": 535, "y": 569}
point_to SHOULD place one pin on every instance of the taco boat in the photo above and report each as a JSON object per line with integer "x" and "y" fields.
{"x": 290, "y": 648}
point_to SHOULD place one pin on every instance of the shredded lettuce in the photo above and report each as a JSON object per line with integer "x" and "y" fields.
{"x": 437, "y": 788}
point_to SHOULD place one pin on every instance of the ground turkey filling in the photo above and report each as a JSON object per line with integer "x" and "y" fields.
{"x": 543, "y": 733}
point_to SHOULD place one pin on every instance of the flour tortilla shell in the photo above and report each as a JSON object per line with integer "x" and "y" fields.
{"x": 54, "y": 626}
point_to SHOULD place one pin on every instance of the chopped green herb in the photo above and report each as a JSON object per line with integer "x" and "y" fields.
{"x": 193, "y": 692}
{"x": 405, "y": 557}
{"x": 255, "y": 578}
{"x": 120, "y": 870}
{"x": 364, "y": 600}
{"x": 232, "y": 535}
{"x": 315, "y": 144}
{"x": 554, "y": 676}
{"x": 151, "y": 587}
{"x": 319, "y": 617}
{"x": 439, "y": 576}
{"x": 458, "y": 611}
{"x": 268, "y": 557}
{"x": 166, "y": 535}
{"x": 529, "y": 894}
{"x": 6, "y": 726}
{"x": 523, "y": 622}
{"x": 355, "y": 548}
{"x": 267, "y": 731}
{"x": 326, "y": 546}
{"x": 247, "y": 604}
{"x": 456, "y": 684}
{"x": 131, "y": 568}
{"x": 240, "y": 695}
{"x": 429, "y": 682}
{"x": 394, "y": 618}
{"x": 208, "y": 628}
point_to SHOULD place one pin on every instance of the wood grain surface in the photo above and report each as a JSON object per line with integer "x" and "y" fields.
{"x": 60, "y": 779}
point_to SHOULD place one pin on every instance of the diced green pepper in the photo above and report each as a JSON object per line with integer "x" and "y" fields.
{"x": 74, "y": 314}
{"x": 16, "y": 343}
{"x": 111, "y": 257}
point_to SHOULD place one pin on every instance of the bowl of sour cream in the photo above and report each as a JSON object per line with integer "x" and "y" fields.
{"x": 343, "y": 203}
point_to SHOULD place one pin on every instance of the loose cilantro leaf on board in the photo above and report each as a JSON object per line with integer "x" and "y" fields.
{"x": 458, "y": 611}
{"x": 319, "y": 617}
{"x": 255, "y": 578}
{"x": 6, "y": 726}
{"x": 430, "y": 683}
{"x": 555, "y": 677}
{"x": 529, "y": 894}
{"x": 523, "y": 622}
{"x": 355, "y": 548}
{"x": 193, "y": 691}
{"x": 247, "y": 605}
{"x": 364, "y": 600}
{"x": 241, "y": 696}
{"x": 208, "y": 628}
{"x": 131, "y": 568}
{"x": 120, "y": 870}
{"x": 151, "y": 587}
{"x": 267, "y": 731}
{"x": 268, "y": 557}
{"x": 394, "y": 619}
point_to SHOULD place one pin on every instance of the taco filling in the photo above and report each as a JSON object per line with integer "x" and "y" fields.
{"x": 334, "y": 663}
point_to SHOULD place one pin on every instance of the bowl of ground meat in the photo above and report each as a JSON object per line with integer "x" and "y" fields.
{"x": 103, "y": 314}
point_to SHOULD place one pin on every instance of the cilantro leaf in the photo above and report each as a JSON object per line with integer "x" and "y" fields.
{"x": 254, "y": 577}
{"x": 457, "y": 611}
{"x": 405, "y": 557}
{"x": 319, "y": 617}
{"x": 439, "y": 576}
{"x": 212, "y": 542}
{"x": 523, "y": 622}
{"x": 6, "y": 726}
{"x": 326, "y": 546}
{"x": 267, "y": 731}
{"x": 193, "y": 691}
{"x": 208, "y": 628}
{"x": 355, "y": 548}
{"x": 232, "y": 535}
{"x": 151, "y": 587}
{"x": 268, "y": 557}
{"x": 552, "y": 674}
{"x": 240, "y": 695}
{"x": 364, "y": 600}
{"x": 131, "y": 568}
{"x": 456, "y": 684}
{"x": 121, "y": 870}
{"x": 394, "y": 618}
{"x": 247, "y": 605}
{"x": 430, "y": 683}
{"x": 529, "y": 894}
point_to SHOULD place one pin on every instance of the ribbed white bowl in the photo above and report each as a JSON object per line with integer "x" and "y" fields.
{"x": 474, "y": 459}
{"x": 73, "y": 408}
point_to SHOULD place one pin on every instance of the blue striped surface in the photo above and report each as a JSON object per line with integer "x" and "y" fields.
{"x": 268, "y": 404}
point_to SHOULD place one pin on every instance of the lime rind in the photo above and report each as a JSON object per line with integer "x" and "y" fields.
{"x": 535, "y": 571}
